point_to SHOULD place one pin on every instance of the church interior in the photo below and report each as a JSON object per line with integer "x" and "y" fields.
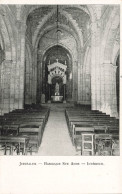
{"x": 59, "y": 80}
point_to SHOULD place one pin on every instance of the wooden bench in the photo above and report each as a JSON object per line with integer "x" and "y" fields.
{"x": 34, "y": 131}
{"x": 77, "y": 133}
{"x": 78, "y": 119}
{"x": 9, "y": 129}
{"x": 19, "y": 143}
{"x": 29, "y": 123}
{"x": 89, "y": 122}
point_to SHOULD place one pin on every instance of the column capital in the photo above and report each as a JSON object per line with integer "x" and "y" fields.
{"x": 21, "y": 26}
{"x": 93, "y": 26}
{"x": 108, "y": 66}
{"x": 18, "y": 24}
{"x": 24, "y": 26}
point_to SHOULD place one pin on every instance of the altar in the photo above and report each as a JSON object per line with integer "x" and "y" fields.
{"x": 56, "y": 98}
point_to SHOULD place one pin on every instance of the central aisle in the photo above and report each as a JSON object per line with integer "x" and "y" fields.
{"x": 56, "y": 140}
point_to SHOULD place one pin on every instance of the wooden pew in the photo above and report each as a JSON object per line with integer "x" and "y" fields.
{"x": 98, "y": 125}
{"x": 91, "y": 122}
{"x": 78, "y": 119}
{"x": 34, "y": 130}
{"x": 9, "y": 129}
{"x": 26, "y": 117}
{"x": 19, "y": 143}
{"x": 77, "y": 133}
{"x": 29, "y": 123}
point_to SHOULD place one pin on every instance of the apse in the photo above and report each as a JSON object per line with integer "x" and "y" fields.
{"x": 61, "y": 61}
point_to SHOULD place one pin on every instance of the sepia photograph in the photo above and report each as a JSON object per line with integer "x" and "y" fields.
{"x": 59, "y": 79}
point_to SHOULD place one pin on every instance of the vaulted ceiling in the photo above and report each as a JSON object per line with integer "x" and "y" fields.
{"x": 75, "y": 20}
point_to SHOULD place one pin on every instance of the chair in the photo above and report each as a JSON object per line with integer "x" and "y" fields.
{"x": 87, "y": 144}
{"x": 103, "y": 144}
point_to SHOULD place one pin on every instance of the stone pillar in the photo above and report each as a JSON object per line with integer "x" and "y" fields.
{"x": 81, "y": 85}
{"x": 34, "y": 59}
{"x": 0, "y": 88}
{"x": 75, "y": 81}
{"x": 49, "y": 94}
{"x": 33, "y": 76}
{"x": 114, "y": 92}
{"x": 17, "y": 71}
{"x": 81, "y": 77}
{"x": 102, "y": 88}
{"x": 108, "y": 89}
{"x": 64, "y": 101}
{"x": 98, "y": 73}
{"x": 95, "y": 66}
{"x": 79, "y": 71}
{"x": 22, "y": 65}
{"x": 6, "y": 73}
{"x": 39, "y": 80}
{"x": 12, "y": 85}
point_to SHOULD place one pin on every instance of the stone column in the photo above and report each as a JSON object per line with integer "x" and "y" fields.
{"x": 64, "y": 101}
{"x": 39, "y": 80}
{"x": 34, "y": 74}
{"x": 80, "y": 75}
{"x": 6, "y": 71}
{"x": 1, "y": 87}
{"x": 102, "y": 88}
{"x": 49, "y": 86}
{"x": 81, "y": 84}
{"x": 95, "y": 66}
{"x": 18, "y": 63}
{"x": 114, "y": 93}
{"x": 79, "y": 72}
{"x": 22, "y": 65}
{"x": 108, "y": 89}
{"x": 12, "y": 85}
{"x": 75, "y": 81}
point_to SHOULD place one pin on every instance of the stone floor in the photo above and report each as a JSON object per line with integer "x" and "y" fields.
{"x": 56, "y": 140}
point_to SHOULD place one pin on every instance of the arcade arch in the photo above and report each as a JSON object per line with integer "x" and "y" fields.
{"x": 54, "y": 54}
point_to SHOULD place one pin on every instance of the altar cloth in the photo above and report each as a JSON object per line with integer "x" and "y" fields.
{"x": 57, "y": 98}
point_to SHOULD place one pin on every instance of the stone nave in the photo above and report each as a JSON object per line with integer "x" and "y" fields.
{"x": 59, "y": 79}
